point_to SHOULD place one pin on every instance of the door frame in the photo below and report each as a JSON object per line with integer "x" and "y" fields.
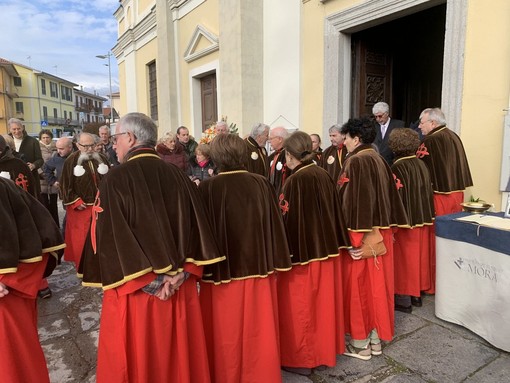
{"x": 196, "y": 94}
{"x": 337, "y": 54}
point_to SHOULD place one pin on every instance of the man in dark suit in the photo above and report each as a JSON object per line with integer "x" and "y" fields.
{"x": 384, "y": 125}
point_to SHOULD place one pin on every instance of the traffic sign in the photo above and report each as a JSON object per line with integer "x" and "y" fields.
{"x": 44, "y": 123}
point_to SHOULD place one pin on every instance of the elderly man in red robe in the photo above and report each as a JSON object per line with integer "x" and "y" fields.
{"x": 29, "y": 242}
{"x": 148, "y": 240}
{"x": 81, "y": 175}
{"x": 443, "y": 153}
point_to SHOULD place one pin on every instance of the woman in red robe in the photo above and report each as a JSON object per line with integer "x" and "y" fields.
{"x": 238, "y": 296}
{"x": 310, "y": 298}
{"x": 371, "y": 204}
{"x": 414, "y": 257}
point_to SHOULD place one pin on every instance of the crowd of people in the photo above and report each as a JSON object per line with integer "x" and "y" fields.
{"x": 220, "y": 262}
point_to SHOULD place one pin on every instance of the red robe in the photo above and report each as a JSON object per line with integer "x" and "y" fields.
{"x": 77, "y": 191}
{"x": 28, "y": 236}
{"x": 158, "y": 227}
{"x": 369, "y": 292}
{"x": 133, "y": 347}
{"x": 22, "y": 356}
{"x": 310, "y": 302}
{"x": 369, "y": 200}
{"x": 239, "y": 304}
{"x": 414, "y": 256}
{"x": 241, "y": 330}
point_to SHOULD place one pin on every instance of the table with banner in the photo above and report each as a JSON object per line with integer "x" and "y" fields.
{"x": 473, "y": 274}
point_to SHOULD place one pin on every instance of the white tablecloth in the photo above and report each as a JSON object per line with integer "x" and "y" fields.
{"x": 473, "y": 289}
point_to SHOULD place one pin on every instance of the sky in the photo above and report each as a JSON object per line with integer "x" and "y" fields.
{"x": 63, "y": 38}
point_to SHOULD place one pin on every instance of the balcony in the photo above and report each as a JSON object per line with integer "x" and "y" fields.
{"x": 84, "y": 107}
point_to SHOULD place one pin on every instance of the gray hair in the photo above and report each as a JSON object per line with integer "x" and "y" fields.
{"x": 142, "y": 127}
{"x": 435, "y": 114}
{"x": 16, "y": 121}
{"x": 380, "y": 107}
{"x": 167, "y": 136}
{"x": 258, "y": 129}
{"x": 335, "y": 127}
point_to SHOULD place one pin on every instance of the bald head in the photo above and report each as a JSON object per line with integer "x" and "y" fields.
{"x": 277, "y": 136}
{"x": 64, "y": 146}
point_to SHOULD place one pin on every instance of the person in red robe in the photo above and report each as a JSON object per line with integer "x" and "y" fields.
{"x": 238, "y": 297}
{"x": 310, "y": 301}
{"x": 147, "y": 244}
{"x": 371, "y": 205}
{"x": 443, "y": 153}
{"x": 413, "y": 255}
{"x": 29, "y": 245}
{"x": 82, "y": 172}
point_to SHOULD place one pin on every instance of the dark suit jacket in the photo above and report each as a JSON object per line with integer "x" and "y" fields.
{"x": 382, "y": 144}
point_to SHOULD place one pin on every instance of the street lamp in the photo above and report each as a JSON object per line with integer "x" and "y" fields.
{"x": 108, "y": 55}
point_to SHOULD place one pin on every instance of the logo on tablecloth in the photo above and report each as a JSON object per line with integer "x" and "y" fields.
{"x": 478, "y": 269}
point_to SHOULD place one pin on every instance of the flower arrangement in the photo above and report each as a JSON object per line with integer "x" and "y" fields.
{"x": 210, "y": 132}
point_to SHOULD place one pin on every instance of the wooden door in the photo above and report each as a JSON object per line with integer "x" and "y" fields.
{"x": 371, "y": 77}
{"x": 209, "y": 101}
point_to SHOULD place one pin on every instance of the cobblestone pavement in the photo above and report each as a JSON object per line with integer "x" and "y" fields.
{"x": 425, "y": 348}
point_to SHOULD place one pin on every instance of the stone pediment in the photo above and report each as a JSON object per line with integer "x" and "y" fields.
{"x": 202, "y": 43}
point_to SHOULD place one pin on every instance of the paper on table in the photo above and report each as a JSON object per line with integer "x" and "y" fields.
{"x": 487, "y": 220}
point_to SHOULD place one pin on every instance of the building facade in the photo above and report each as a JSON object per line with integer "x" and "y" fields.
{"x": 44, "y": 101}
{"x": 313, "y": 63}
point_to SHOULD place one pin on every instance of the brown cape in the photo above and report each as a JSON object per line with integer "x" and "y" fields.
{"x": 28, "y": 230}
{"x": 416, "y": 191}
{"x": 257, "y": 158}
{"x": 312, "y": 215}
{"x": 85, "y": 187}
{"x": 150, "y": 219}
{"x": 19, "y": 172}
{"x": 333, "y": 159}
{"x": 368, "y": 192}
{"x": 278, "y": 171}
{"x": 247, "y": 224}
{"x": 446, "y": 161}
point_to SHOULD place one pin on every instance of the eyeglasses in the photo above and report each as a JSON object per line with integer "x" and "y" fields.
{"x": 113, "y": 137}
{"x": 424, "y": 121}
{"x": 379, "y": 115}
{"x": 272, "y": 138}
{"x": 91, "y": 146}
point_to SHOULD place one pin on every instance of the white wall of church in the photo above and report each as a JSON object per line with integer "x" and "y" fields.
{"x": 282, "y": 62}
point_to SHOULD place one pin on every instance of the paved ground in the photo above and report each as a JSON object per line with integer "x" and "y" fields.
{"x": 425, "y": 348}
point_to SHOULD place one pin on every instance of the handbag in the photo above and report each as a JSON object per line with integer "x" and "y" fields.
{"x": 372, "y": 244}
